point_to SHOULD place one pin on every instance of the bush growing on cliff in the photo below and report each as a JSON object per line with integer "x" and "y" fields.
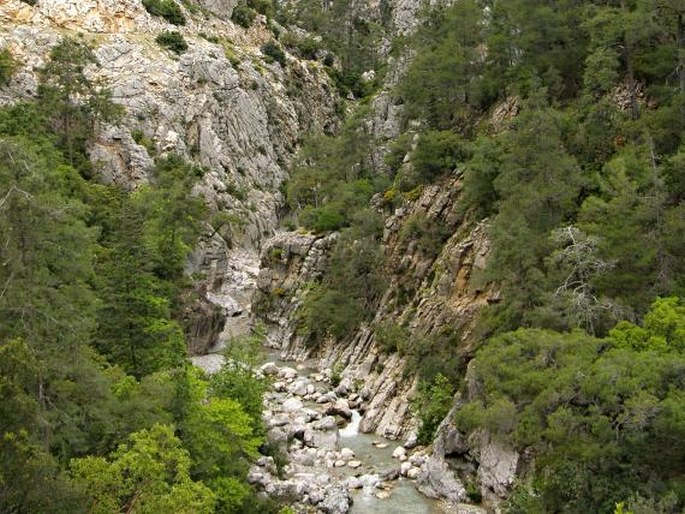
{"x": 173, "y": 41}
{"x": 167, "y": 9}
{"x": 432, "y": 404}
{"x": 8, "y": 65}
{"x": 243, "y": 15}
{"x": 391, "y": 337}
{"x": 436, "y": 153}
{"x": 266, "y": 7}
{"x": 274, "y": 53}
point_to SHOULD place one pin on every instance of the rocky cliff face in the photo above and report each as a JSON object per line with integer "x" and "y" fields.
{"x": 219, "y": 104}
{"x": 426, "y": 292}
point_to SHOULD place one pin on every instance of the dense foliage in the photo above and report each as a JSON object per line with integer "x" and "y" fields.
{"x": 605, "y": 414}
{"x": 99, "y": 409}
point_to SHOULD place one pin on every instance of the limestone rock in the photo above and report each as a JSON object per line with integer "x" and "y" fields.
{"x": 399, "y": 452}
{"x": 221, "y": 8}
{"x": 336, "y": 500}
{"x": 292, "y": 405}
{"x": 325, "y": 423}
{"x": 346, "y": 454}
{"x": 497, "y": 470}
{"x": 340, "y": 408}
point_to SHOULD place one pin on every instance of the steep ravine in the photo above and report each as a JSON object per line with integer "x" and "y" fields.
{"x": 426, "y": 293}
{"x": 222, "y": 106}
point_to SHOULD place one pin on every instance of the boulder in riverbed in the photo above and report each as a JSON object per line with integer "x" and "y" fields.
{"x": 292, "y": 405}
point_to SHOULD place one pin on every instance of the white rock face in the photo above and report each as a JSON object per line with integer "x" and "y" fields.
{"x": 221, "y": 8}
{"x": 497, "y": 469}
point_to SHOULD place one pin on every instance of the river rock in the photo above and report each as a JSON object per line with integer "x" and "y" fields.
{"x": 336, "y": 500}
{"x": 353, "y": 483}
{"x": 340, "y": 408}
{"x": 399, "y": 453}
{"x": 303, "y": 458}
{"x": 339, "y": 463}
{"x": 311, "y": 414}
{"x": 354, "y": 464}
{"x": 300, "y": 419}
{"x": 316, "y": 496}
{"x": 413, "y": 473}
{"x": 292, "y": 405}
{"x": 417, "y": 459}
{"x": 327, "y": 439}
{"x": 325, "y": 423}
{"x": 389, "y": 474}
{"x": 327, "y": 397}
{"x": 370, "y": 481}
{"x": 346, "y": 454}
{"x": 277, "y": 435}
{"x": 269, "y": 369}
{"x": 404, "y": 467}
{"x": 383, "y": 495}
{"x": 287, "y": 373}
{"x": 411, "y": 441}
{"x": 278, "y": 420}
{"x": 299, "y": 387}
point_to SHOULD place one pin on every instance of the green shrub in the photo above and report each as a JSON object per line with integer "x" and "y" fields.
{"x": 265, "y": 7}
{"x": 8, "y": 65}
{"x": 173, "y": 41}
{"x": 273, "y": 53}
{"x": 323, "y": 219}
{"x": 167, "y": 9}
{"x": 210, "y": 37}
{"x": 191, "y": 7}
{"x": 391, "y": 337}
{"x": 473, "y": 492}
{"x": 328, "y": 312}
{"x": 305, "y": 47}
{"x": 434, "y": 402}
{"x": 143, "y": 140}
{"x": 243, "y": 15}
{"x": 430, "y": 236}
{"x": 397, "y": 150}
{"x": 437, "y": 152}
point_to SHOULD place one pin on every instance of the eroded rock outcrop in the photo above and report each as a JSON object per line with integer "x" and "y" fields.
{"x": 219, "y": 104}
{"x": 426, "y": 292}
